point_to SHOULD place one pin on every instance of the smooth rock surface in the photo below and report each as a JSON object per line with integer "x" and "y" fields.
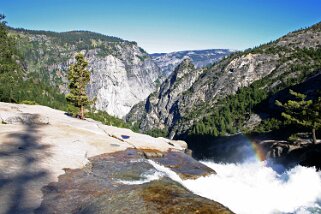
{"x": 34, "y": 154}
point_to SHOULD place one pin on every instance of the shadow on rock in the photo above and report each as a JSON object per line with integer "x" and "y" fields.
{"x": 19, "y": 171}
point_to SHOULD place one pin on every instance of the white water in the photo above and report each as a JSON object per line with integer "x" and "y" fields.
{"x": 255, "y": 188}
{"x": 148, "y": 177}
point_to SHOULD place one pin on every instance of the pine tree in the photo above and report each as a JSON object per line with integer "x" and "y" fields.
{"x": 8, "y": 66}
{"x": 78, "y": 77}
{"x": 303, "y": 112}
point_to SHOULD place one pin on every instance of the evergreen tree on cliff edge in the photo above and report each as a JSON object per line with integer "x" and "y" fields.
{"x": 306, "y": 113}
{"x": 78, "y": 77}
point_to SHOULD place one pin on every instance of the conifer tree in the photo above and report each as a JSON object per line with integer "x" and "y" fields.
{"x": 78, "y": 77}
{"x": 8, "y": 64}
{"x": 303, "y": 112}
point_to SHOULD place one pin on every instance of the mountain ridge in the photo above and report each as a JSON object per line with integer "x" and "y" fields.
{"x": 200, "y": 58}
{"x": 271, "y": 67}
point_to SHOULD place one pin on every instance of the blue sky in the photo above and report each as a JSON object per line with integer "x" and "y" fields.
{"x": 169, "y": 25}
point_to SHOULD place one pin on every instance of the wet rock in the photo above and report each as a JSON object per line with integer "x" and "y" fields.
{"x": 162, "y": 196}
{"x": 188, "y": 152}
{"x": 184, "y": 165}
{"x": 291, "y": 154}
{"x": 152, "y": 153}
{"x": 102, "y": 187}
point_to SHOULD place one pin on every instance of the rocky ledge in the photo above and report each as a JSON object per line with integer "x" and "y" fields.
{"x": 290, "y": 154}
{"x": 128, "y": 182}
{"x": 101, "y": 163}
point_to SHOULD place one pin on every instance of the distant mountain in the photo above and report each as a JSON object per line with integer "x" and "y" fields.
{"x": 200, "y": 58}
{"x": 222, "y": 99}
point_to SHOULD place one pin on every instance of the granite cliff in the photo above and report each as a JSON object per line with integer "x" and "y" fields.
{"x": 160, "y": 106}
{"x": 122, "y": 73}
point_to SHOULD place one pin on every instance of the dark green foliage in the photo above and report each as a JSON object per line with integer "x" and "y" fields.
{"x": 70, "y": 37}
{"x": 229, "y": 114}
{"x": 8, "y": 53}
{"x": 78, "y": 77}
{"x": 107, "y": 119}
{"x": 157, "y": 132}
{"x": 18, "y": 86}
{"x": 301, "y": 111}
{"x": 28, "y": 102}
{"x": 142, "y": 58}
{"x": 9, "y": 69}
{"x": 31, "y": 90}
{"x": 142, "y": 50}
{"x": 268, "y": 125}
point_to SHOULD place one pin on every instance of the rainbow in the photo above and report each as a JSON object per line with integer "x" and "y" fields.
{"x": 258, "y": 151}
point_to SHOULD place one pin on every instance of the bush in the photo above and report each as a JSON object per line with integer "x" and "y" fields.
{"x": 269, "y": 125}
{"x": 293, "y": 138}
{"x": 28, "y": 102}
{"x": 107, "y": 119}
{"x": 157, "y": 132}
{"x": 72, "y": 110}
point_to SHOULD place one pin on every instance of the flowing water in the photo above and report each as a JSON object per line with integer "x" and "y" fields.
{"x": 255, "y": 187}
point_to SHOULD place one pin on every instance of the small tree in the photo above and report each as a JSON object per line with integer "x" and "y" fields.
{"x": 303, "y": 112}
{"x": 78, "y": 77}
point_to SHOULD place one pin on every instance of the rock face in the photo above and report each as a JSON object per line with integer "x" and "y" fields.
{"x": 200, "y": 58}
{"x": 122, "y": 74}
{"x": 278, "y": 62}
{"x": 161, "y": 107}
{"x": 189, "y": 88}
{"x": 122, "y": 182}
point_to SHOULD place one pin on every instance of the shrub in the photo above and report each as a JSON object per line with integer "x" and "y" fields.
{"x": 28, "y": 102}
